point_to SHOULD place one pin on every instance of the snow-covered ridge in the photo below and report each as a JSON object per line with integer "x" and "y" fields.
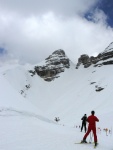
{"x": 103, "y": 58}
{"x": 109, "y": 48}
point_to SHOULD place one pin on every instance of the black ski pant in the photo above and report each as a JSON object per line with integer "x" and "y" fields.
{"x": 83, "y": 125}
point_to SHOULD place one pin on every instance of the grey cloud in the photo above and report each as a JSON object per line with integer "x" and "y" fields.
{"x": 38, "y": 7}
{"x": 31, "y": 38}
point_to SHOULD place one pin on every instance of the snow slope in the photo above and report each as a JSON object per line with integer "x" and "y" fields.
{"x": 27, "y": 118}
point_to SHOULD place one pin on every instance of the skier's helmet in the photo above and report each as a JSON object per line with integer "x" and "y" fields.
{"x": 92, "y": 112}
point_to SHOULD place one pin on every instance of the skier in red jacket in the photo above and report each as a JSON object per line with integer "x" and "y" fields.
{"x": 91, "y": 127}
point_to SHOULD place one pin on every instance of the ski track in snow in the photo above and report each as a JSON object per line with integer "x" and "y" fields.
{"x": 26, "y": 137}
{"x": 25, "y": 131}
{"x": 12, "y": 112}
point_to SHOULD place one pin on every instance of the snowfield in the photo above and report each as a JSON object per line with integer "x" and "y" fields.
{"x": 27, "y": 114}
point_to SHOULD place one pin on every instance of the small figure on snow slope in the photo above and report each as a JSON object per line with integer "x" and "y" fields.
{"x": 57, "y": 119}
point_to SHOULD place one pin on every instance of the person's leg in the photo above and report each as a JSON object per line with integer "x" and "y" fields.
{"x": 81, "y": 127}
{"x": 87, "y": 133}
{"x": 85, "y": 127}
{"x": 85, "y": 136}
{"x": 94, "y": 133}
{"x": 95, "y": 136}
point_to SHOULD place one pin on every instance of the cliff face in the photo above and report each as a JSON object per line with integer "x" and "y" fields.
{"x": 58, "y": 61}
{"x": 104, "y": 58}
{"x": 54, "y": 64}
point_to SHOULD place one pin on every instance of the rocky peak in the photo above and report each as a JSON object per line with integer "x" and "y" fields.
{"x": 104, "y": 58}
{"x": 86, "y": 60}
{"x": 108, "y": 53}
{"x": 54, "y": 65}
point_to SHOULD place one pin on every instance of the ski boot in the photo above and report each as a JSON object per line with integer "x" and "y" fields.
{"x": 84, "y": 141}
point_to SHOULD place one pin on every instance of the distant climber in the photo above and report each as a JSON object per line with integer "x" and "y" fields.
{"x": 84, "y": 120}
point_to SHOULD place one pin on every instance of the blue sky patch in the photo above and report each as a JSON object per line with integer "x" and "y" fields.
{"x": 88, "y": 16}
{"x": 107, "y": 7}
{"x": 2, "y": 50}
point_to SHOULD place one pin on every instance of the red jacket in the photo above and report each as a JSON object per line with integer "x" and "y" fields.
{"x": 92, "y": 120}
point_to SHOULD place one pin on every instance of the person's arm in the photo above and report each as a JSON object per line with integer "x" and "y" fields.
{"x": 87, "y": 119}
{"x": 96, "y": 119}
{"x": 82, "y": 118}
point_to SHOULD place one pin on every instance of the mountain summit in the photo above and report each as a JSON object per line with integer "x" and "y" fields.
{"x": 101, "y": 59}
{"x": 57, "y": 62}
{"x": 54, "y": 64}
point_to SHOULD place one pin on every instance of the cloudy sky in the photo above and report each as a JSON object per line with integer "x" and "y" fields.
{"x": 30, "y": 30}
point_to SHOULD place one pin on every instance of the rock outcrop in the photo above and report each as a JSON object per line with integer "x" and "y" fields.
{"x": 101, "y": 59}
{"x": 58, "y": 61}
{"x": 54, "y": 64}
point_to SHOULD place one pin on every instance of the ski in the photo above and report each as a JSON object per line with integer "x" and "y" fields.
{"x": 87, "y": 143}
{"x": 82, "y": 143}
{"x": 96, "y": 146}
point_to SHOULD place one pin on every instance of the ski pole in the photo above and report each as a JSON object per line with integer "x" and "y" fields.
{"x": 90, "y": 138}
{"x": 111, "y": 131}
